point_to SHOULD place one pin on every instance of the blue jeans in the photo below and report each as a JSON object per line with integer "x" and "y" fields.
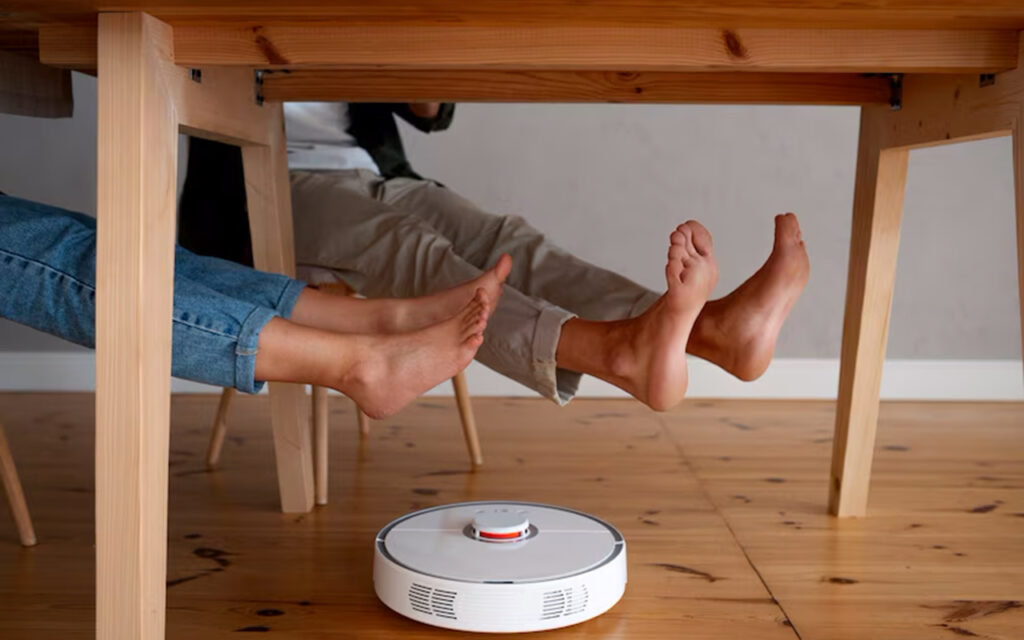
{"x": 48, "y": 282}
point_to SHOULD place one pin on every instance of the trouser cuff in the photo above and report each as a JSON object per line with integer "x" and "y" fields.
{"x": 552, "y": 381}
{"x": 246, "y": 348}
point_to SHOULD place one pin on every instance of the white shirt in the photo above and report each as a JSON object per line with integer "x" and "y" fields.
{"x": 317, "y": 138}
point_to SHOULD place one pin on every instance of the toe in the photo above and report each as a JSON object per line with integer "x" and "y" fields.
{"x": 469, "y": 318}
{"x": 687, "y": 232}
{"x": 677, "y": 252}
{"x": 673, "y": 271}
{"x": 474, "y": 328}
{"x": 478, "y": 313}
{"x": 481, "y": 298}
{"x": 787, "y": 230}
{"x": 700, "y": 237}
{"x": 504, "y": 266}
{"x": 479, "y": 326}
{"x": 787, "y": 223}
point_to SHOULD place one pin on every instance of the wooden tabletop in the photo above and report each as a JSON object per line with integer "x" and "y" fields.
{"x": 819, "y": 36}
{"x": 803, "y": 51}
{"x": 860, "y": 14}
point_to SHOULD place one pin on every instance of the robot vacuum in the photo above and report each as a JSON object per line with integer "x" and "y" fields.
{"x": 499, "y": 567}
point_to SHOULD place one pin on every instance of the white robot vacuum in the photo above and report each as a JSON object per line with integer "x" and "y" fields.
{"x": 499, "y": 567}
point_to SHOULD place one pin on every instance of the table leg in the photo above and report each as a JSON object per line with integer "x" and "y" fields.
{"x": 877, "y": 211}
{"x": 935, "y": 110}
{"x": 270, "y": 219}
{"x": 136, "y": 169}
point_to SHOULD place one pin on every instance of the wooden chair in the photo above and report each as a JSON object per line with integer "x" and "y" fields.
{"x": 320, "y": 415}
{"x": 15, "y": 496}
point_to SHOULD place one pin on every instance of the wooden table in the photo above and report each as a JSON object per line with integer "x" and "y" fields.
{"x": 943, "y": 71}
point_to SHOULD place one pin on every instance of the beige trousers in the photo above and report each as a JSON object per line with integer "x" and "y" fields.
{"x": 402, "y": 238}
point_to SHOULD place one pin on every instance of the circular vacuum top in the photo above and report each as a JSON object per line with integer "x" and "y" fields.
{"x": 499, "y": 542}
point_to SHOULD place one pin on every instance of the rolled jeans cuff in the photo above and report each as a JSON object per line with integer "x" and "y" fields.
{"x": 552, "y": 381}
{"x": 248, "y": 336}
{"x": 289, "y": 296}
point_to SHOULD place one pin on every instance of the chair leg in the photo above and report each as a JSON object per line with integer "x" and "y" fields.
{"x": 364, "y": 422}
{"x": 877, "y": 212}
{"x": 15, "y": 496}
{"x": 320, "y": 417}
{"x": 476, "y": 457}
{"x": 220, "y": 428}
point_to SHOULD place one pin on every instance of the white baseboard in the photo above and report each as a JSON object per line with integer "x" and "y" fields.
{"x": 786, "y": 378}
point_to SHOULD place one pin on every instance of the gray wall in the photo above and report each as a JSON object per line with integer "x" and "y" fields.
{"x": 610, "y": 181}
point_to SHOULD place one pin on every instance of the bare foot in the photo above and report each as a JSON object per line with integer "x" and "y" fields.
{"x": 646, "y": 355}
{"x": 412, "y": 314}
{"x": 738, "y": 332}
{"x": 392, "y": 370}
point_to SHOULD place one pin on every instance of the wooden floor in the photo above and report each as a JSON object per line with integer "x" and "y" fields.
{"x": 722, "y": 504}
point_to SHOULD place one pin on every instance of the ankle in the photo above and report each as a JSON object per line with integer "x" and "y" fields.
{"x": 708, "y": 339}
{"x": 350, "y": 368}
{"x": 620, "y": 356}
{"x": 390, "y": 316}
{"x": 715, "y": 340}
